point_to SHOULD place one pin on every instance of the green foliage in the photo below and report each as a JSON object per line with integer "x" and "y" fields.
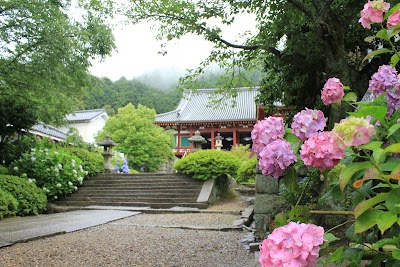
{"x": 3, "y": 170}
{"x": 208, "y": 164}
{"x": 31, "y": 199}
{"x": 114, "y": 95}
{"x": 46, "y": 54}
{"x": 8, "y": 204}
{"x": 247, "y": 171}
{"x": 143, "y": 143}
{"x": 13, "y": 150}
{"x": 92, "y": 162}
{"x": 242, "y": 152}
{"x": 55, "y": 170}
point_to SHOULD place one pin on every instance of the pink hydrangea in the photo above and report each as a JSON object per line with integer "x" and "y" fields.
{"x": 276, "y": 157}
{"x": 373, "y": 13}
{"x": 383, "y": 80}
{"x": 322, "y": 151}
{"x": 266, "y": 131}
{"x": 295, "y": 244}
{"x": 394, "y": 19}
{"x": 332, "y": 92}
{"x": 307, "y": 123}
{"x": 393, "y": 99}
{"x": 354, "y": 131}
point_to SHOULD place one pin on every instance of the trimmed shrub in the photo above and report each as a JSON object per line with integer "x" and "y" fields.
{"x": 208, "y": 164}
{"x": 92, "y": 162}
{"x": 32, "y": 200}
{"x": 55, "y": 170}
{"x": 247, "y": 171}
{"x": 8, "y": 204}
{"x": 3, "y": 170}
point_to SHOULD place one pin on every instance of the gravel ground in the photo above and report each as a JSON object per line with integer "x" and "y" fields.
{"x": 135, "y": 241}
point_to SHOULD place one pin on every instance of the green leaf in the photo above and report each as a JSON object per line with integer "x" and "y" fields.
{"x": 386, "y": 220}
{"x": 350, "y": 97}
{"x": 395, "y": 148}
{"x": 369, "y": 39}
{"x": 299, "y": 213}
{"x": 336, "y": 256}
{"x": 384, "y": 242}
{"x": 382, "y": 34}
{"x": 329, "y": 237}
{"x": 378, "y": 112}
{"x": 367, "y": 204}
{"x": 372, "y": 145}
{"x": 347, "y": 173}
{"x": 393, "y": 200}
{"x": 376, "y": 52}
{"x": 281, "y": 219}
{"x": 366, "y": 221}
{"x": 394, "y": 60}
{"x": 290, "y": 179}
{"x": 396, "y": 254}
{"x": 393, "y": 129}
{"x": 390, "y": 164}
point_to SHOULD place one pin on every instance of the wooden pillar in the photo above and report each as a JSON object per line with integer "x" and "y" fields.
{"x": 191, "y": 135}
{"x": 212, "y": 138}
{"x": 179, "y": 139}
{"x": 234, "y": 138}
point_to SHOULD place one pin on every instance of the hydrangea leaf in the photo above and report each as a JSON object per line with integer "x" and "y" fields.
{"x": 386, "y": 220}
{"x": 350, "y": 97}
{"x": 392, "y": 202}
{"x": 393, "y": 129}
{"x": 396, "y": 254}
{"x": 395, "y": 148}
{"x": 366, "y": 221}
{"x": 329, "y": 238}
{"x": 383, "y": 34}
{"x": 347, "y": 173}
{"x": 376, "y": 52}
{"x": 367, "y": 204}
{"x": 372, "y": 145}
{"x": 395, "y": 59}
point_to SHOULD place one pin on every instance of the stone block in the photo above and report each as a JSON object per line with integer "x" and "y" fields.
{"x": 266, "y": 184}
{"x": 262, "y": 225}
{"x": 268, "y": 204}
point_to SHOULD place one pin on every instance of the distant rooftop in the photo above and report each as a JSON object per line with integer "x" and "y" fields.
{"x": 85, "y": 115}
{"x": 46, "y": 130}
{"x": 198, "y": 106}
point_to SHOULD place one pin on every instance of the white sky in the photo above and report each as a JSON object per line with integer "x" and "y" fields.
{"x": 137, "y": 51}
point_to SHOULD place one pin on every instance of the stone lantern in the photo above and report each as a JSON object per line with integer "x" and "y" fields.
{"x": 108, "y": 144}
{"x": 197, "y": 140}
{"x": 218, "y": 141}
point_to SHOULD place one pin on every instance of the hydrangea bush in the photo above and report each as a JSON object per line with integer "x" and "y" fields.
{"x": 55, "y": 170}
{"x": 367, "y": 144}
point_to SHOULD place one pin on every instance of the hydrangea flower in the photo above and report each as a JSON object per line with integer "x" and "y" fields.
{"x": 322, "y": 151}
{"x": 394, "y": 19}
{"x": 276, "y": 157}
{"x": 393, "y": 99}
{"x": 295, "y": 244}
{"x": 266, "y": 131}
{"x": 383, "y": 80}
{"x": 332, "y": 92}
{"x": 307, "y": 123}
{"x": 354, "y": 131}
{"x": 373, "y": 13}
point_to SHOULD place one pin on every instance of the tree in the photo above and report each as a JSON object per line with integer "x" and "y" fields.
{"x": 46, "y": 50}
{"x": 144, "y": 143}
{"x": 300, "y": 43}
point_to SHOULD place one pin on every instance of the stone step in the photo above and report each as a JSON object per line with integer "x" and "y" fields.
{"x": 131, "y": 204}
{"x": 116, "y": 193}
{"x": 131, "y": 182}
{"x": 140, "y": 187}
{"x": 147, "y": 199}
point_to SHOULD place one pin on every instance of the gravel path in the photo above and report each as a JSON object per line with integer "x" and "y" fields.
{"x": 135, "y": 241}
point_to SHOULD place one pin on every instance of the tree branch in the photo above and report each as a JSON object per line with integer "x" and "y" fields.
{"x": 303, "y": 8}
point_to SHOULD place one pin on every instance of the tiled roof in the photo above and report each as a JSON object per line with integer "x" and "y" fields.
{"x": 198, "y": 106}
{"x": 84, "y": 115}
{"x": 48, "y": 131}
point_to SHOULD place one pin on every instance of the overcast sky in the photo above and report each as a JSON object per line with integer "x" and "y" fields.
{"x": 137, "y": 51}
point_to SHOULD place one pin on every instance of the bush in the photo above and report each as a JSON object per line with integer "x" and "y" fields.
{"x": 3, "y": 170}
{"x": 241, "y": 152}
{"x": 247, "y": 171}
{"x": 8, "y": 204}
{"x": 208, "y": 164}
{"x": 92, "y": 162}
{"x": 55, "y": 170}
{"x": 32, "y": 200}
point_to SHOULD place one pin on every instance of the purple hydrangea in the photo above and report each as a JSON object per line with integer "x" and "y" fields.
{"x": 307, "y": 123}
{"x": 383, "y": 80}
{"x": 266, "y": 131}
{"x": 332, "y": 92}
{"x": 393, "y": 99}
{"x": 276, "y": 157}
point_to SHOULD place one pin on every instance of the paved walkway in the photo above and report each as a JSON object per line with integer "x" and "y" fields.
{"x": 22, "y": 229}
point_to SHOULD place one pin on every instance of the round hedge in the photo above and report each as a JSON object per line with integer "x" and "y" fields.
{"x": 247, "y": 172}
{"x": 91, "y": 161}
{"x": 208, "y": 164}
{"x": 8, "y": 204}
{"x": 32, "y": 200}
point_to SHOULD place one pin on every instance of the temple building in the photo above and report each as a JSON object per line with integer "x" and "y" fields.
{"x": 212, "y": 114}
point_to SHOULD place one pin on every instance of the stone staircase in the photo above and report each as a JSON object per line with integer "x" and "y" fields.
{"x": 154, "y": 190}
